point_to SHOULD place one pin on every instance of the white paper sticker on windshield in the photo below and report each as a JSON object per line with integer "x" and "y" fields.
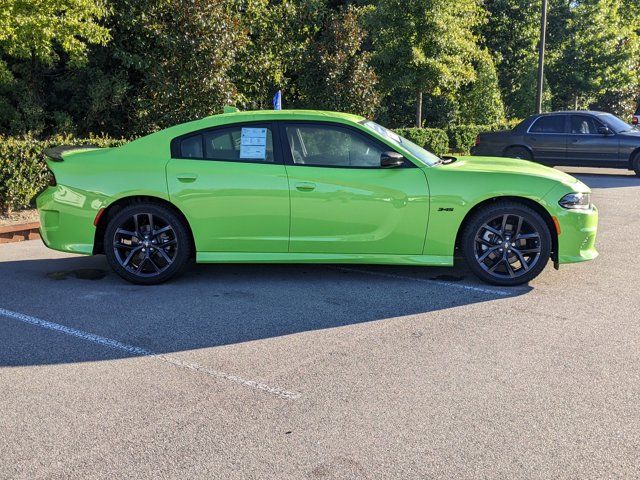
{"x": 253, "y": 143}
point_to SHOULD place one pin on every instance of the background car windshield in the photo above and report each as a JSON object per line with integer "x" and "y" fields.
{"x": 615, "y": 123}
{"x": 420, "y": 153}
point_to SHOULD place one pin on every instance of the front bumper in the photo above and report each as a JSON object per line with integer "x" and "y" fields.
{"x": 577, "y": 238}
{"x": 66, "y": 219}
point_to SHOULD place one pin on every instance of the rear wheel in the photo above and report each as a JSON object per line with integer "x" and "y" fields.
{"x": 518, "y": 152}
{"x": 506, "y": 244}
{"x": 147, "y": 244}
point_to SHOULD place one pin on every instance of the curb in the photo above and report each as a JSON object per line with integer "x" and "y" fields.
{"x": 19, "y": 233}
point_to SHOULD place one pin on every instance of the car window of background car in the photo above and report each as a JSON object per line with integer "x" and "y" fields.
{"x": 584, "y": 125}
{"x": 325, "y": 145}
{"x": 425, "y": 156}
{"x": 548, "y": 124}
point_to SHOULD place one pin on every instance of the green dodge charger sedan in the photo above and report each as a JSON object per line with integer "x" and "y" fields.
{"x": 309, "y": 187}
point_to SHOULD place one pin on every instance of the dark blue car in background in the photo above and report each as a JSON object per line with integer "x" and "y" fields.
{"x": 574, "y": 138}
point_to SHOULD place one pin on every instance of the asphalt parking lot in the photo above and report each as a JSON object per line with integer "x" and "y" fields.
{"x": 325, "y": 372}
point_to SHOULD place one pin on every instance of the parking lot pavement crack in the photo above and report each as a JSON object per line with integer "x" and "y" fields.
{"x": 143, "y": 352}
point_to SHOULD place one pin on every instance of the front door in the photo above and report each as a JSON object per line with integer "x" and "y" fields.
{"x": 232, "y": 186}
{"x": 343, "y": 202}
{"x": 547, "y": 137}
{"x": 587, "y": 146}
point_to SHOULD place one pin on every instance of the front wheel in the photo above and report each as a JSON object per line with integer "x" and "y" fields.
{"x": 147, "y": 244}
{"x": 506, "y": 244}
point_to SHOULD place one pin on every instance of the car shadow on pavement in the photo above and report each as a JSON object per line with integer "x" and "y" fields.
{"x": 212, "y": 305}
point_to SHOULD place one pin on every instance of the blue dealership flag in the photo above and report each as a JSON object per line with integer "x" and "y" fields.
{"x": 277, "y": 100}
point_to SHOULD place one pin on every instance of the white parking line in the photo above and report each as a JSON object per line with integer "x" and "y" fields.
{"x": 462, "y": 286}
{"x": 143, "y": 352}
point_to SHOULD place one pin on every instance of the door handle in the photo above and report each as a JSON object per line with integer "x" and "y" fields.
{"x": 187, "y": 177}
{"x": 305, "y": 186}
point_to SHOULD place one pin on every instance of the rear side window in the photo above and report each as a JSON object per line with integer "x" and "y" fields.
{"x": 191, "y": 147}
{"x": 248, "y": 143}
{"x": 548, "y": 124}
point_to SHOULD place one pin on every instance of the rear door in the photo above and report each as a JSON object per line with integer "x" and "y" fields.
{"x": 342, "y": 201}
{"x": 547, "y": 137}
{"x": 231, "y": 184}
{"x": 587, "y": 146}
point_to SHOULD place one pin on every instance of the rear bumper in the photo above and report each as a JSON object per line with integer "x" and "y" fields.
{"x": 66, "y": 219}
{"x": 576, "y": 242}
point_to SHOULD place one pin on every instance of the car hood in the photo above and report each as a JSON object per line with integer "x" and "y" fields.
{"x": 512, "y": 166}
{"x": 635, "y": 134}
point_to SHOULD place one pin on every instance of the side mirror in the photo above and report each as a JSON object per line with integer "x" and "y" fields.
{"x": 604, "y": 131}
{"x": 391, "y": 159}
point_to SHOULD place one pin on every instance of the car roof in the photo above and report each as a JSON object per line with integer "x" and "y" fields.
{"x": 289, "y": 114}
{"x": 568, "y": 112}
{"x": 232, "y": 118}
{"x": 257, "y": 116}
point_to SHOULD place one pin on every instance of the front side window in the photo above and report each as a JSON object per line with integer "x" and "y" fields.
{"x": 584, "y": 125}
{"x": 548, "y": 124}
{"x": 248, "y": 143}
{"x": 331, "y": 146}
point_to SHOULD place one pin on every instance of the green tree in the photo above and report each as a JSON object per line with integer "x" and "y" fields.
{"x": 34, "y": 36}
{"x": 336, "y": 74}
{"x": 595, "y": 63}
{"x": 427, "y": 46}
{"x": 169, "y": 61}
{"x": 480, "y": 102}
{"x": 278, "y": 34}
{"x": 511, "y": 34}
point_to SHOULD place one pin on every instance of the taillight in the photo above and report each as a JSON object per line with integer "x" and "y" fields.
{"x": 635, "y": 120}
{"x": 477, "y": 140}
{"x": 97, "y": 219}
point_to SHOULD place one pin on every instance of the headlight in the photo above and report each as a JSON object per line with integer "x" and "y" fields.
{"x": 580, "y": 201}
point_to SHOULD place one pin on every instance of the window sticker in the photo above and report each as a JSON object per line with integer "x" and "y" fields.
{"x": 253, "y": 143}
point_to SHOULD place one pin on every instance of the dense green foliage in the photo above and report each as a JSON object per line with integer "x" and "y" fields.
{"x": 593, "y": 53}
{"x": 433, "y": 139}
{"x": 128, "y": 67}
{"x": 463, "y": 137}
{"x": 425, "y": 46}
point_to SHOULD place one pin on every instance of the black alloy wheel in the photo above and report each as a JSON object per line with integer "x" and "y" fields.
{"x": 507, "y": 244}
{"x": 147, "y": 244}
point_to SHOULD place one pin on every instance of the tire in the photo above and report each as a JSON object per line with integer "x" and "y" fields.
{"x": 147, "y": 244}
{"x": 506, "y": 243}
{"x": 520, "y": 153}
{"x": 635, "y": 164}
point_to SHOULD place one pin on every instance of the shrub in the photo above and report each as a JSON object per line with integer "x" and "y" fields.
{"x": 463, "y": 137}
{"x": 23, "y": 170}
{"x": 433, "y": 139}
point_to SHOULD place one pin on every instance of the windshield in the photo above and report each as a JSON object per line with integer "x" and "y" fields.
{"x": 615, "y": 123}
{"x": 420, "y": 153}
